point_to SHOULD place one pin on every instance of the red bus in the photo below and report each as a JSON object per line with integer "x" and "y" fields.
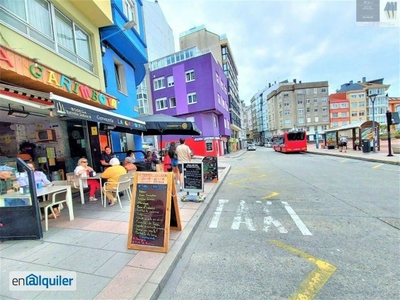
{"x": 292, "y": 141}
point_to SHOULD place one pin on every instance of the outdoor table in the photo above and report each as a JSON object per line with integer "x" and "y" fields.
{"x": 46, "y": 190}
{"x": 81, "y": 191}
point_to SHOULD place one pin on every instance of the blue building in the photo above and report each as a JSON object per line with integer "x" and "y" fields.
{"x": 124, "y": 53}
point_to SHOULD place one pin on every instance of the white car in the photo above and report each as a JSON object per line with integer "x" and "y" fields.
{"x": 268, "y": 144}
{"x": 251, "y": 147}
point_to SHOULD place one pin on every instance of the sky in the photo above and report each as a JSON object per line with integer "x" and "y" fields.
{"x": 304, "y": 40}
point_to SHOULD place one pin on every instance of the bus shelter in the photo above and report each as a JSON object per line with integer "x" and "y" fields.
{"x": 360, "y": 131}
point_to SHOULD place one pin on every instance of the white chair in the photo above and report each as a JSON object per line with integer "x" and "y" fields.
{"x": 130, "y": 175}
{"x": 57, "y": 198}
{"x": 123, "y": 184}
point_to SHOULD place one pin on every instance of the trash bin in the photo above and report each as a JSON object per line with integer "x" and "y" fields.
{"x": 366, "y": 146}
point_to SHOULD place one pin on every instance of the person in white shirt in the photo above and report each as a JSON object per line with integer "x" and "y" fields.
{"x": 184, "y": 155}
{"x": 342, "y": 144}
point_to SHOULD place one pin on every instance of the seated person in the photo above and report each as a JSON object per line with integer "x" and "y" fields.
{"x": 112, "y": 175}
{"x": 356, "y": 145}
{"x": 5, "y": 182}
{"x": 128, "y": 164}
{"x": 83, "y": 170}
{"x": 39, "y": 176}
{"x": 41, "y": 179}
{"x": 131, "y": 154}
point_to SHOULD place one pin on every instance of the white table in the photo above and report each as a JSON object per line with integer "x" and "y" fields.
{"x": 43, "y": 192}
{"x": 81, "y": 191}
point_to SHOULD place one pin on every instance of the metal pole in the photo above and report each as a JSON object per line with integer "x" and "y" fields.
{"x": 373, "y": 124}
{"x": 372, "y": 98}
{"x": 388, "y": 122}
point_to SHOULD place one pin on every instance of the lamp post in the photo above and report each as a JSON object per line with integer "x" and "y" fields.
{"x": 127, "y": 26}
{"x": 372, "y": 97}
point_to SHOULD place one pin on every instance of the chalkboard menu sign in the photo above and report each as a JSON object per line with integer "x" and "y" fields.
{"x": 193, "y": 177}
{"x": 150, "y": 217}
{"x": 210, "y": 167}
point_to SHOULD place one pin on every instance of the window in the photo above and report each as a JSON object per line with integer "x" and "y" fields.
{"x": 191, "y": 98}
{"x": 361, "y": 114}
{"x": 343, "y": 105}
{"x": 120, "y": 77}
{"x": 159, "y": 83}
{"x": 316, "y": 109}
{"x": 335, "y": 115}
{"x": 161, "y": 104}
{"x": 334, "y": 105}
{"x": 308, "y": 109}
{"x": 343, "y": 114}
{"x": 354, "y": 114}
{"x": 315, "y": 100}
{"x": 130, "y": 12}
{"x": 219, "y": 98}
{"x": 215, "y": 121}
{"x": 36, "y": 19}
{"x": 189, "y": 75}
{"x": 172, "y": 102}
{"x": 361, "y": 104}
{"x": 209, "y": 146}
{"x": 301, "y": 121}
{"x": 324, "y": 90}
{"x": 324, "y": 108}
{"x": 324, "y": 99}
{"x": 315, "y": 90}
{"x": 287, "y": 122}
{"x": 299, "y": 101}
{"x": 353, "y": 104}
{"x": 300, "y": 111}
{"x": 286, "y": 103}
{"x": 170, "y": 81}
{"x": 316, "y": 119}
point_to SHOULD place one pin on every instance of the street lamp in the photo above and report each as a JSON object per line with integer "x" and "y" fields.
{"x": 127, "y": 26}
{"x": 372, "y": 98}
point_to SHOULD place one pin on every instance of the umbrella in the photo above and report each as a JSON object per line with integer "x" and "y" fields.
{"x": 160, "y": 124}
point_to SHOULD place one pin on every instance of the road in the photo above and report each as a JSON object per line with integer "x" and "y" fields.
{"x": 296, "y": 226}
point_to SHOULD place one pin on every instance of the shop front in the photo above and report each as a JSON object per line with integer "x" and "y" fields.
{"x": 58, "y": 117}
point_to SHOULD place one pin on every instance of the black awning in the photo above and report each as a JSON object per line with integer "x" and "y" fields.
{"x": 67, "y": 108}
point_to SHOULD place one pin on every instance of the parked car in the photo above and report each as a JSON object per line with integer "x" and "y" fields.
{"x": 251, "y": 147}
{"x": 268, "y": 144}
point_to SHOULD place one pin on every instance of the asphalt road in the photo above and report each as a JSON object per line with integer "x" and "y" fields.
{"x": 296, "y": 226}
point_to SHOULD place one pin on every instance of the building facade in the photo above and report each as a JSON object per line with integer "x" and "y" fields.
{"x": 53, "y": 76}
{"x": 192, "y": 85}
{"x": 219, "y": 46}
{"x": 299, "y": 105}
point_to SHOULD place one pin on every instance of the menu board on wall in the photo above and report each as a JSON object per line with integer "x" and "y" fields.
{"x": 193, "y": 177}
{"x": 151, "y": 217}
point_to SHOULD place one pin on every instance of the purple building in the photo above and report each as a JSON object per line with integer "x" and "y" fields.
{"x": 192, "y": 86}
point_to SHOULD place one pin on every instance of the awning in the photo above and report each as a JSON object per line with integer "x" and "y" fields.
{"x": 64, "y": 107}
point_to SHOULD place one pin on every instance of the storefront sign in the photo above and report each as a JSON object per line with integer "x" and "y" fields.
{"x": 78, "y": 112}
{"x": 23, "y": 66}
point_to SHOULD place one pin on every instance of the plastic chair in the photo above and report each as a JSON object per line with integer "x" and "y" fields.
{"x": 123, "y": 184}
{"x": 56, "y": 198}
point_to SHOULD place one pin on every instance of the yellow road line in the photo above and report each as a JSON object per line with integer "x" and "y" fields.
{"x": 310, "y": 287}
{"x": 377, "y": 166}
{"x": 245, "y": 179}
{"x": 273, "y": 194}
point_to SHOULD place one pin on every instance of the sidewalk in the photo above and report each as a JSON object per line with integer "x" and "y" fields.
{"x": 94, "y": 246}
{"x": 379, "y": 157}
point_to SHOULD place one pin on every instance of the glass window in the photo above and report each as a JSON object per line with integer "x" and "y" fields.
{"x": 35, "y": 18}
{"x": 161, "y": 104}
{"x": 159, "y": 83}
{"x": 170, "y": 81}
{"x": 172, "y": 102}
{"x": 189, "y": 76}
{"x": 192, "y": 98}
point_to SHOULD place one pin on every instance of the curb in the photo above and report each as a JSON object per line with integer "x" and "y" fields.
{"x": 357, "y": 157}
{"x": 157, "y": 281}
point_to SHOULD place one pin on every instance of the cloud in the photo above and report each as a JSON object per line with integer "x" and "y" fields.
{"x": 307, "y": 40}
